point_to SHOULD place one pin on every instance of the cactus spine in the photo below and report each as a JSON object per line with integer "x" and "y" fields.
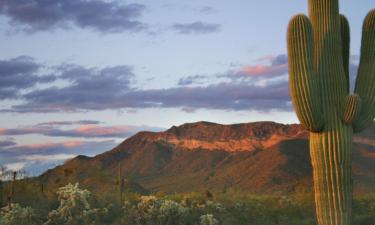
{"x": 318, "y": 51}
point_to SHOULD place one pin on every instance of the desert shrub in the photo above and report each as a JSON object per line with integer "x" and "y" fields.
{"x": 78, "y": 206}
{"x": 75, "y": 208}
{"x": 16, "y": 215}
{"x": 208, "y": 219}
{"x": 151, "y": 210}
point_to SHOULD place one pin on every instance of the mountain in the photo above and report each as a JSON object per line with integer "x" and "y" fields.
{"x": 260, "y": 157}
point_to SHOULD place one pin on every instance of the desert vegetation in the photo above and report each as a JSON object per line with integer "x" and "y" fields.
{"x": 74, "y": 205}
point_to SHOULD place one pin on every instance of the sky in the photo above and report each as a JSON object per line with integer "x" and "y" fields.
{"x": 79, "y": 77}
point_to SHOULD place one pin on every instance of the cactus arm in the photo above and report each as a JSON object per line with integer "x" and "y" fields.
{"x": 345, "y": 41}
{"x": 304, "y": 87}
{"x": 352, "y": 108}
{"x": 365, "y": 83}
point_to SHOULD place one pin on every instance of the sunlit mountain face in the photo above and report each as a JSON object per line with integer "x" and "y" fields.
{"x": 260, "y": 157}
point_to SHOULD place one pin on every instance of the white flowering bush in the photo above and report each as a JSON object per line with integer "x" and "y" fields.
{"x": 171, "y": 212}
{"x": 74, "y": 208}
{"x": 17, "y": 215}
{"x": 214, "y": 207}
{"x": 208, "y": 219}
{"x": 151, "y": 211}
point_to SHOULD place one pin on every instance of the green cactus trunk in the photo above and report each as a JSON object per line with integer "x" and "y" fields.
{"x": 331, "y": 161}
{"x": 318, "y": 51}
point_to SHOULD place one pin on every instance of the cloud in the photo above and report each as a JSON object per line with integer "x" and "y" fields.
{"x": 264, "y": 70}
{"x": 19, "y": 73}
{"x": 7, "y": 143}
{"x": 110, "y": 88}
{"x": 82, "y": 131}
{"x": 102, "y": 16}
{"x": 46, "y": 147}
{"x": 196, "y": 79}
{"x": 277, "y": 66}
{"x": 44, "y": 158}
{"x": 65, "y": 123}
{"x": 196, "y": 28}
{"x": 91, "y": 88}
{"x": 91, "y": 131}
{"x": 76, "y": 147}
{"x": 207, "y": 9}
{"x": 225, "y": 96}
{"x": 36, "y": 158}
{"x": 15, "y": 166}
{"x": 281, "y": 59}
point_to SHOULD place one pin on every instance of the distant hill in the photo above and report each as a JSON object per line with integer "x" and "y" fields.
{"x": 260, "y": 157}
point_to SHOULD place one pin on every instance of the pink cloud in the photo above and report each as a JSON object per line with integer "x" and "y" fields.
{"x": 264, "y": 70}
{"x": 67, "y": 144}
{"x": 73, "y": 144}
{"x": 38, "y": 146}
{"x": 93, "y": 130}
{"x": 87, "y": 130}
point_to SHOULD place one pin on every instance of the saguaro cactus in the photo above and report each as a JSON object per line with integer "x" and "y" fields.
{"x": 318, "y": 51}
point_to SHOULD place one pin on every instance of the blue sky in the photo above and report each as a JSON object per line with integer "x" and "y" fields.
{"x": 78, "y": 77}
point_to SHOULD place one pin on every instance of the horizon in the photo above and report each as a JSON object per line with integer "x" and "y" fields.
{"x": 75, "y": 83}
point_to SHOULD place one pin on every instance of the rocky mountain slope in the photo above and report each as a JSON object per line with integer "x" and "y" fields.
{"x": 260, "y": 157}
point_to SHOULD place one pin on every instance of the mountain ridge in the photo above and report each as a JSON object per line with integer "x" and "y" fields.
{"x": 259, "y": 157}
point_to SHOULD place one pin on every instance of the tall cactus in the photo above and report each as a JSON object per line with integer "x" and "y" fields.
{"x": 318, "y": 51}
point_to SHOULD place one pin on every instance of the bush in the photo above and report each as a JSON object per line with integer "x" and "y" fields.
{"x": 75, "y": 208}
{"x": 16, "y": 215}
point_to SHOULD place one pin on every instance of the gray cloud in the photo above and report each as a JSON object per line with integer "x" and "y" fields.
{"x": 196, "y": 79}
{"x": 8, "y": 93}
{"x": 90, "y": 88}
{"x": 207, "y": 9}
{"x": 111, "y": 88}
{"x": 7, "y": 143}
{"x": 196, "y": 28}
{"x": 102, "y": 16}
{"x": 63, "y": 123}
{"x": 19, "y": 73}
{"x": 226, "y": 96}
{"x": 281, "y": 59}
